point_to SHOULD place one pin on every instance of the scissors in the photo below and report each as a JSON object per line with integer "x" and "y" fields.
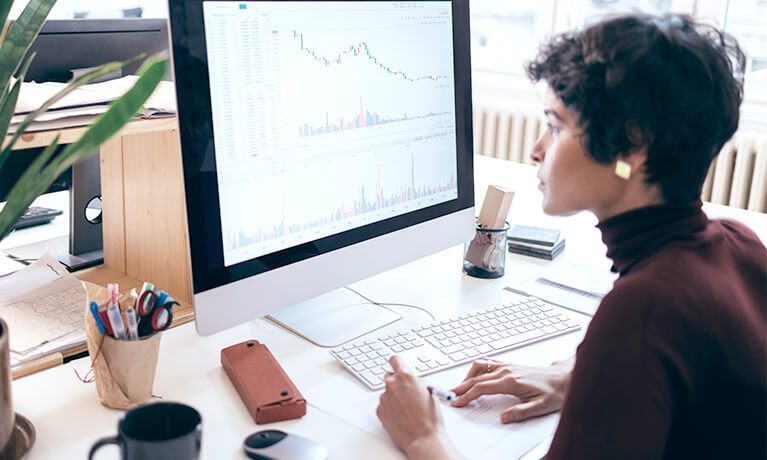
{"x": 154, "y": 312}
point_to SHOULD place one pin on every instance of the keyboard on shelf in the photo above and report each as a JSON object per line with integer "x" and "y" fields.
{"x": 442, "y": 344}
{"x": 37, "y": 215}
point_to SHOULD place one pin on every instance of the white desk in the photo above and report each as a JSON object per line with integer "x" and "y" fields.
{"x": 69, "y": 418}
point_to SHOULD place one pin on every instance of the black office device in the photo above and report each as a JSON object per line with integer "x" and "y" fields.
{"x": 68, "y": 44}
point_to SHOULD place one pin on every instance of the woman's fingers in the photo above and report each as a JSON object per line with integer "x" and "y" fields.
{"x": 482, "y": 366}
{"x": 525, "y": 410}
{"x": 487, "y": 387}
{"x": 464, "y": 386}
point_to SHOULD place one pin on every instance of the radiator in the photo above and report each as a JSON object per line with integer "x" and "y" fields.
{"x": 737, "y": 177}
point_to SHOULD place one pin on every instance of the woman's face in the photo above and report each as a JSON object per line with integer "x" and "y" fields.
{"x": 570, "y": 179}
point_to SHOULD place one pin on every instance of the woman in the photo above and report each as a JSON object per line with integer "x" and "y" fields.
{"x": 673, "y": 362}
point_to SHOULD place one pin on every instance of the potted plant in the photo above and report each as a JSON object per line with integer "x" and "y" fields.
{"x": 14, "y": 42}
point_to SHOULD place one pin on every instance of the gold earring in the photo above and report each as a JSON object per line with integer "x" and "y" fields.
{"x": 623, "y": 169}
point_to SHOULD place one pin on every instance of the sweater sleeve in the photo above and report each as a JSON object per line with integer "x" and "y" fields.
{"x": 619, "y": 403}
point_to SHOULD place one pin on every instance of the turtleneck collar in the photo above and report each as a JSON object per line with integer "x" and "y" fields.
{"x": 636, "y": 234}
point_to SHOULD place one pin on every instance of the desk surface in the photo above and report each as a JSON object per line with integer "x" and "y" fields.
{"x": 69, "y": 418}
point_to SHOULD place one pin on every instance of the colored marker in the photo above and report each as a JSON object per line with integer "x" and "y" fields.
{"x": 118, "y": 327}
{"x": 95, "y": 313}
{"x": 105, "y": 320}
{"x": 130, "y": 317}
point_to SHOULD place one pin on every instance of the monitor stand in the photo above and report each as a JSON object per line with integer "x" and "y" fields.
{"x": 334, "y": 318}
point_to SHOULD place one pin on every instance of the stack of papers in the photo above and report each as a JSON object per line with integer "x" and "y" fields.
{"x": 44, "y": 307}
{"x": 82, "y": 106}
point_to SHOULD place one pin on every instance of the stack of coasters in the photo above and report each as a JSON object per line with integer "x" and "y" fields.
{"x": 545, "y": 243}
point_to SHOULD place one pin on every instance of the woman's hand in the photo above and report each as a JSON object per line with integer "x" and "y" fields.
{"x": 540, "y": 389}
{"x": 411, "y": 416}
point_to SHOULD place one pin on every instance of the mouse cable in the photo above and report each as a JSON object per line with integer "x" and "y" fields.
{"x": 385, "y": 304}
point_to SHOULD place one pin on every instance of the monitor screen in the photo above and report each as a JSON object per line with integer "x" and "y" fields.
{"x": 322, "y": 142}
{"x": 344, "y": 116}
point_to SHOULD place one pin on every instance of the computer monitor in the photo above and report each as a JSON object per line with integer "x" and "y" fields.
{"x": 323, "y": 142}
{"x": 64, "y": 45}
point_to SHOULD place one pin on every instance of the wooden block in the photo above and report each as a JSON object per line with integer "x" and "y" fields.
{"x": 156, "y": 240}
{"x": 495, "y": 208}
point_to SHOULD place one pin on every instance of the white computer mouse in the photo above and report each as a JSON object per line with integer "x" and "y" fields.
{"x": 278, "y": 445}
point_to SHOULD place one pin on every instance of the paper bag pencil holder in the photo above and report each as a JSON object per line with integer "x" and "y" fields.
{"x": 485, "y": 254}
{"x": 124, "y": 370}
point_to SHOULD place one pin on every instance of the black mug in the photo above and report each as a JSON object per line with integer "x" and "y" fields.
{"x": 157, "y": 431}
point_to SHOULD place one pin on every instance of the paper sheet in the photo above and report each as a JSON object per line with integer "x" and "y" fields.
{"x": 475, "y": 430}
{"x": 574, "y": 285}
{"x": 44, "y": 307}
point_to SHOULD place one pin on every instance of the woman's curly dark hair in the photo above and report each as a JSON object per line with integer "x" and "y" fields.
{"x": 667, "y": 83}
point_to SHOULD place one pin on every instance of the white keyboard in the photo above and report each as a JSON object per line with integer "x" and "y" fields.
{"x": 443, "y": 344}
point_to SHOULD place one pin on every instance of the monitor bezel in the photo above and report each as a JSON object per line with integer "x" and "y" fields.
{"x": 198, "y": 156}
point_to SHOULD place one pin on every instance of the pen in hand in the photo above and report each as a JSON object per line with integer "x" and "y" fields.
{"x": 440, "y": 393}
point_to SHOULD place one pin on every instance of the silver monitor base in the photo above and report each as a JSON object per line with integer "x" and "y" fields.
{"x": 334, "y": 318}
{"x": 59, "y": 248}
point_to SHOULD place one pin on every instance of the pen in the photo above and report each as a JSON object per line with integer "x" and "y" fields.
{"x": 95, "y": 313}
{"x": 105, "y": 320}
{"x": 130, "y": 317}
{"x": 117, "y": 322}
{"x": 444, "y": 395}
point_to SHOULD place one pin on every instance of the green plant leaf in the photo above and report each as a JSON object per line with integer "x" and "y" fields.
{"x": 20, "y": 36}
{"x": 8, "y": 104}
{"x": 27, "y": 188}
{"x": 5, "y": 8}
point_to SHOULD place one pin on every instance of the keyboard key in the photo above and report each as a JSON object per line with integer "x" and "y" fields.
{"x": 484, "y": 348}
{"x": 372, "y": 355}
{"x": 344, "y": 355}
{"x": 397, "y": 349}
{"x": 378, "y": 371}
{"x": 371, "y": 377}
{"x": 417, "y": 343}
{"x": 407, "y": 346}
{"x": 471, "y": 352}
{"x": 351, "y": 361}
{"x": 432, "y": 364}
{"x": 424, "y": 358}
{"x": 370, "y": 365}
{"x": 359, "y": 367}
{"x": 443, "y": 361}
{"x": 422, "y": 368}
{"x": 380, "y": 361}
{"x": 458, "y": 356}
{"x": 453, "y": 348}
{"x": 365, "y": 349}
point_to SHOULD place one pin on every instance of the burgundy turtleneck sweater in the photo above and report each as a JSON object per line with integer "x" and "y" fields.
{"x": 674, "y": 362}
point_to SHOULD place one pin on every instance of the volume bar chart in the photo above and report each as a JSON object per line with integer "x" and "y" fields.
{"x": 364, "y": 119}
{"x": 364, "y": 203}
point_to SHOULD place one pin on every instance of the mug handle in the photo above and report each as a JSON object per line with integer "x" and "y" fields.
{"x": 103, "y": 442}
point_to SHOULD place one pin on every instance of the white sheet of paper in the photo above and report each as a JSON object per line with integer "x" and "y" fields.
{"x": 593, "y": 278}
{"x": 42, "y": 303}
{"x": 475, "y": 430}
